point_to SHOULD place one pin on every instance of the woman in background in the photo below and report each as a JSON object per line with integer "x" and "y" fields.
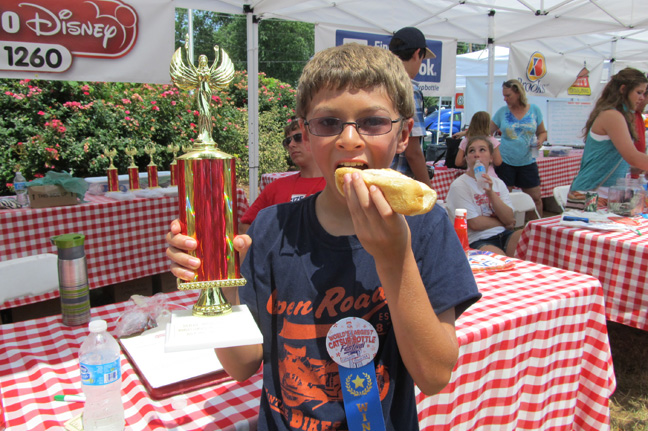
{"x": 521, "y": 126}
{"x": 610, "y": 134}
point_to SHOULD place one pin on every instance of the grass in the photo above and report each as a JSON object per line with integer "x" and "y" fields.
{"x": 629, "y": 403}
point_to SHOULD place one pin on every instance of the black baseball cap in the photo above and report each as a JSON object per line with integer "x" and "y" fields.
{"x": 412, "y": 38}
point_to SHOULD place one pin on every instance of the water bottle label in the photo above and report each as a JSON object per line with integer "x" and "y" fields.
{"x": 19, "y": 186}
{"x": 103, "y": 374}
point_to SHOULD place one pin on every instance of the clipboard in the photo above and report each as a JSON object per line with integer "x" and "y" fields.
{"x": 168, "y": 374}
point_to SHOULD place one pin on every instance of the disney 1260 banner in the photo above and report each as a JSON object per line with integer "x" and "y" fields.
{"x": 101, "y": 40}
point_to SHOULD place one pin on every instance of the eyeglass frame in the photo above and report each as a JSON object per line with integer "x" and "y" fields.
{"x": 343, "y": 124}
{"x": 288, "y": 139}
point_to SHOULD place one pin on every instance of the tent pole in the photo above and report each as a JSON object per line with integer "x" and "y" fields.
{"x": 491, "y": 60}
{"x": 191, "y": 37}
{"x": 253, "y": 102}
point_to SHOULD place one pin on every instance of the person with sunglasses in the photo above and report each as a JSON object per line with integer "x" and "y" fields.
{"x": 291, "y": 188}
{"x": 522, "y": 126}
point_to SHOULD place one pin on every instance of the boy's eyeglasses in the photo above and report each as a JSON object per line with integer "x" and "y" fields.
{"x": 297, "y": 137}
{"x": 331, "y": 126}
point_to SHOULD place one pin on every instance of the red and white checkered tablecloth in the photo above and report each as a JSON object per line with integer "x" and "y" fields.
{"x": 124, "y": 240}
{"x": 40, "y": 360}
{"x": 618, "y": 259}
{"x": 554, "y": 171}
{"x": 534, "y": 354}
{"x": 558, "y": 171}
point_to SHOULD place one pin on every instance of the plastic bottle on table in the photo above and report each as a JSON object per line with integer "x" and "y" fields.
{"x": 100, "y": 366}
{"x": 461, "y": 227}
{"x": 20, "y": 185}
{"x": 480, "y": 170}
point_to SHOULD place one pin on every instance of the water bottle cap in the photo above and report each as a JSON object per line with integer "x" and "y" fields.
{"x": 460, "y": 212}
{"x": 98, "y": 325}
{"x": 68, "y": 240}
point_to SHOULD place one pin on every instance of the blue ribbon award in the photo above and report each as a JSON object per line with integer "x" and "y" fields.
{"x": 353, "y": 343}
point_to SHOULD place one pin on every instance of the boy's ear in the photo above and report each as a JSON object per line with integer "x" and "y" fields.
{"x": 403, "y": 138}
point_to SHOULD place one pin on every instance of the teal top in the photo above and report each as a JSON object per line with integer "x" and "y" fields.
{"x": 601, "y": 164}
{"x": 517, "y": 135}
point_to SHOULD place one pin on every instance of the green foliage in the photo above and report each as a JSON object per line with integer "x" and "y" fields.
{"x": 284, "y": 46}
{"x": 61, "y": 125}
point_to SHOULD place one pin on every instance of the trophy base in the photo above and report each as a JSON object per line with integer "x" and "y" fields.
{"x": 189, "y": 332}
{"x": 211, "y": 301}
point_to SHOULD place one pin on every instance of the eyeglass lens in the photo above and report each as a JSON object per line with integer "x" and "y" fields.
{"x": 330, "y": 126}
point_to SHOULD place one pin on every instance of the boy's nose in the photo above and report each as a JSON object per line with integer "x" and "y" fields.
{"x": 349, "y": 137}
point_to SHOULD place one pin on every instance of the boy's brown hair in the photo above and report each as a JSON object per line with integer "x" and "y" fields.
{"x": 356, "y": 67}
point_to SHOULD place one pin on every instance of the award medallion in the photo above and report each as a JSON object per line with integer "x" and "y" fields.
{"x": 353, "y": 343}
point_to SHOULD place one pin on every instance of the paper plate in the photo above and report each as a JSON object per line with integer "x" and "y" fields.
{"x": 486, "y": 261}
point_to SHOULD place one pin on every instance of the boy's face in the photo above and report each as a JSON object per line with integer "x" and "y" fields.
{"x": 478, "y": 150}
{"x": 348, "y": 147}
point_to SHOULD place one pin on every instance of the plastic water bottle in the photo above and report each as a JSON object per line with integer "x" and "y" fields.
{"x": 20, "y": 185}
{"x": 100, "y": 366}
{"x": 480, "y": 170}
{"x": 461, "y": 227}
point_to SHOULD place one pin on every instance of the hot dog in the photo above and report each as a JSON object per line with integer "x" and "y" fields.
{"x": 404, "y": 194}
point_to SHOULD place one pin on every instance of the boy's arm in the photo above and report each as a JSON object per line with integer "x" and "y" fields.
{"x": 427, "y": 342}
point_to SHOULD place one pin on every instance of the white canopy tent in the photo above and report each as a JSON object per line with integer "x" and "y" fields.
{"x": 572, "y": 26}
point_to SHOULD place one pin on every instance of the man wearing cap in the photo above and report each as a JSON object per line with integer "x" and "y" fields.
{"x": 409, "y": 45}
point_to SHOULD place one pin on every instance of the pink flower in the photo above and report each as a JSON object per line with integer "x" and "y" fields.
{"x": 127, "y": 118}
{"x": 41, "y": 113}
{"x": 173, "y": 103}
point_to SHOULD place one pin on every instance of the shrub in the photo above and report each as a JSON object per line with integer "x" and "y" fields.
{"x": 63, "y": 125}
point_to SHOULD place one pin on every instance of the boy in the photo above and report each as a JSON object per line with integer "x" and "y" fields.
{"x": 327, "y": 257}
{"x": 293, "y": 187}
{"x": 490, "y": 211}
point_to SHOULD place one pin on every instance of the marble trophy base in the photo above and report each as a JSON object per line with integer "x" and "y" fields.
{"x": 188, "y": 332}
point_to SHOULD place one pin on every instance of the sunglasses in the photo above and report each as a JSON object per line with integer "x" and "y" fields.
{"x": 297, "y": 137}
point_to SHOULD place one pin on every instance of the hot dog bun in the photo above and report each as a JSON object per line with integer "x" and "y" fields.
{"x": 404, "y": 194}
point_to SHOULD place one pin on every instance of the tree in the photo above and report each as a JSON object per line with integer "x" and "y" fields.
{"x": 284, "y": 46}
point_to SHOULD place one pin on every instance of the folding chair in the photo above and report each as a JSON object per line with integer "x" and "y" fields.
{"x": 521, "y": 204}
{"x": 560, "y": 195}
{"x": 28, "y": 276}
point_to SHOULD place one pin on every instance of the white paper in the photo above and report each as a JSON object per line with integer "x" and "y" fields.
{"x": 164, "y": 368}
{"x": 188, "y": 332}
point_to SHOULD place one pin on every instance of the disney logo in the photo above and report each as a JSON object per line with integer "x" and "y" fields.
{"x": 94, "y": 28}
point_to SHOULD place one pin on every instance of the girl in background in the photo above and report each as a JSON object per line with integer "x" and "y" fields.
{"x": 489, "y": 212}
{"x": 479, "y": 126}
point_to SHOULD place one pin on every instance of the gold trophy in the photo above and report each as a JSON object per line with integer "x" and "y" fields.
{"x": 207, "y": 188}
{"x": 133, "y": 171}
{"x": 172, "y": 148}
{"x": 113, "y": 177}
{"x": 152, "y": 168}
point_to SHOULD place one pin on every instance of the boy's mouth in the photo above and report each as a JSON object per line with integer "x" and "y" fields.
{"x": 357, "y": 165}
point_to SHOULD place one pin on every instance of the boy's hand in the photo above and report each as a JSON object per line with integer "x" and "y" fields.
{"x": 184, "y": 265}
{"x": 383, "y": 233}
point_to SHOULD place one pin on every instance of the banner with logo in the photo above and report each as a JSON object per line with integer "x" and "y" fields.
{"x": 545, "y": 73}
{"x": 89, "y": 40}
{"x": 436, "y": 77}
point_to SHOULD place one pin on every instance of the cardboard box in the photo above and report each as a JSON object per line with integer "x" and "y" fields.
{"x": 50, "y": 196}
